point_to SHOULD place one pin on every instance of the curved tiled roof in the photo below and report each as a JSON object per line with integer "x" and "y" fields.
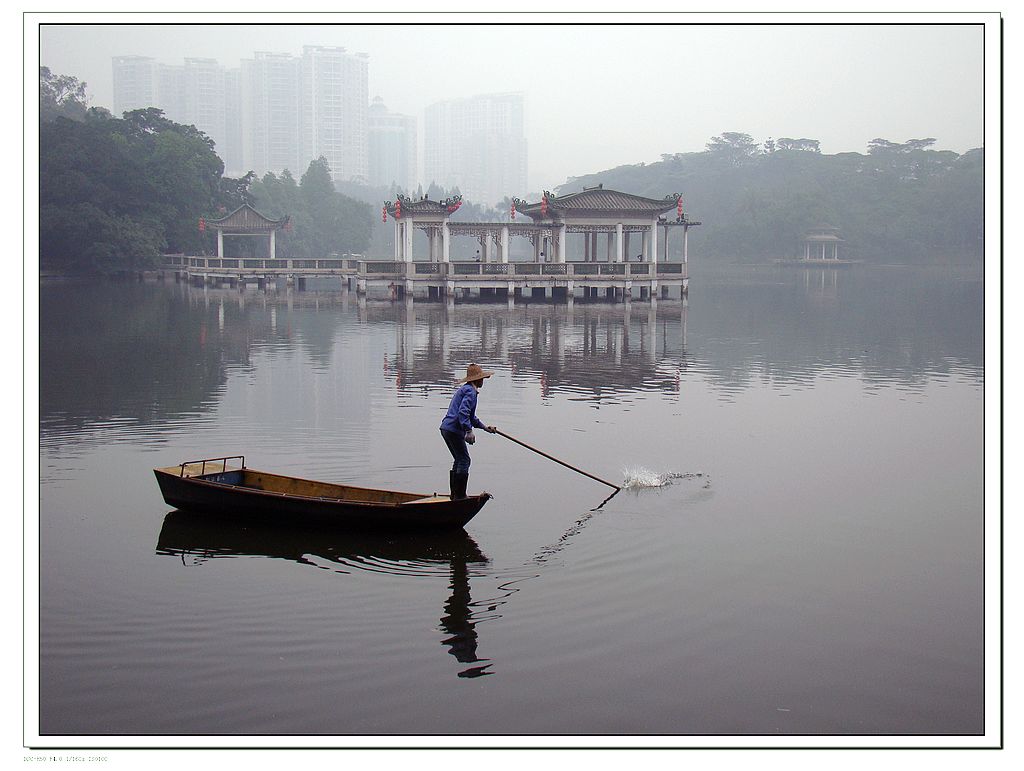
{"x": 247, "y": 219}
{"x": 600, "y": 200}
{"x": 424, "y": 205}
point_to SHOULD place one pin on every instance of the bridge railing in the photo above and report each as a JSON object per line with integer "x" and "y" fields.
{"x": 395, "y": 269}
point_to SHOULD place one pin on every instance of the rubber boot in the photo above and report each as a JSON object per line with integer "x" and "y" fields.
{"x": 459, "y": 491}
{"x": 452, "y": 485}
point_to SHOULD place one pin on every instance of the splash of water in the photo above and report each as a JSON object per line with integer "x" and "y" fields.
{"x": 639, "y": 477}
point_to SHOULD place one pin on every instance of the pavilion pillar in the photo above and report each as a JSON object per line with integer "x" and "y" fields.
{"x": 220, "y": 243}
{"x": 654, "y": 240}
{"x": 487, "y": 247}
{"x": 504, "y": 243}
{"x": 608, "y": 248}
{"x": 686, "y": 239}
{"x": 273, "y": 244}
{"x": 593, "y": 246}
{"x": 619, "y": 241}
{"x": 446, "y": 239}
{"x": 645, "y": 244}
{"x": 538, "y": 239}
{"x": 625, "y": 251}
{"x": 562, "y": 235}
{"x": 398, "y": 240}
{"x": 586, "y": 247}
{"x": 407, "y": 257}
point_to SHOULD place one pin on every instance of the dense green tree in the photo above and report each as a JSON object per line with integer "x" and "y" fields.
{"x": 902, "y": 202}
{"x": 324, "y": 221}
{"x": 61, "y": 95}
{"x": 806, "y": 145}
{"x": 116, "y": 192}
{"x": 734, "y": 147}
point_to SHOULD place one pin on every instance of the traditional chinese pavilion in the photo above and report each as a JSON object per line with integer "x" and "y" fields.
{"x": 246, "y": 222}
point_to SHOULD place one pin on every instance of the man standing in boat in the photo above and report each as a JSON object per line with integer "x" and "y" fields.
{"x": 457, "y": 427}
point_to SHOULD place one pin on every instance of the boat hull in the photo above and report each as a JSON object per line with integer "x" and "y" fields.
{"x": 227, "y": 495}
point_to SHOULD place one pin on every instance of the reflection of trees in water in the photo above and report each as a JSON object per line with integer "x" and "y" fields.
{"x": 124, "y": 350}
{"x": 888, "y": 326}
{"x": 149, "y": 353}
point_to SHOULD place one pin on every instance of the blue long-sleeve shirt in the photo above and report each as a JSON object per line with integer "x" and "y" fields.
{"x": 461, "y": 415}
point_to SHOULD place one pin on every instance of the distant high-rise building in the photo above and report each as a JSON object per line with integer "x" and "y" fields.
{"x": 477, "y": 144}
{"x": 194, "y": 94}
{"x": 270, "y": 114}
{"x": 134, "y": 83}
{"x": 170, "y": 92}
{"x": 205, "y": 101}
{"x": 392, "y": 147}
{"x": 232, "y": 150}
{"x": 333, "y": 102}
{"x": 276, "y": 112}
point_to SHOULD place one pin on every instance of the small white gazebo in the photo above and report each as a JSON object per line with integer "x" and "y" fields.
{"x": 245, "y": 221}
{"x": 822, "y": 243}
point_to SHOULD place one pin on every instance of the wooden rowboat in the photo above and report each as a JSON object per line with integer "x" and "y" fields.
{"x": 210, "y": 486}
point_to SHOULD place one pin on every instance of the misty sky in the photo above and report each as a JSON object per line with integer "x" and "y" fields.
{"x": 601, "y": 96}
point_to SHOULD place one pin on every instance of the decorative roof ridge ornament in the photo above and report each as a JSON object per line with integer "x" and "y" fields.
{"x": 452, "y": 203}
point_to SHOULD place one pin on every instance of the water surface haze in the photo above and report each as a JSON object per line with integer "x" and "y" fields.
{"x": 800, "y": 551}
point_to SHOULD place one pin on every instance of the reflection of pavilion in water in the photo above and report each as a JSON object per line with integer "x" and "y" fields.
{"x": 196, "y": 539}
{"x": 595, "y": 349}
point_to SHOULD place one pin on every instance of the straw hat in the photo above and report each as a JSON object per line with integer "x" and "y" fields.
{"x": 474, "y": 372}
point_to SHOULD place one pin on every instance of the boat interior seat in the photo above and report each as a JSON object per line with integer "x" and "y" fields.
{"x": 428, "y": 499}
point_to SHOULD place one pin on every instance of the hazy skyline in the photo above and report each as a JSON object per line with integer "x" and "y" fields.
{"x": 599, "y": 96}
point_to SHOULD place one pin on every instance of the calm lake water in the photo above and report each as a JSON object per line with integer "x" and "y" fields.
{"x": 815, "y": 565}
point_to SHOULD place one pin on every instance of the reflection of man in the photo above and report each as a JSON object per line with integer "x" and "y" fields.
{"x": 455, "y": 622}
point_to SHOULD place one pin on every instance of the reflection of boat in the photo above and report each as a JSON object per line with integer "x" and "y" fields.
{"x": 202, "y": 537}
{"x": 211, "y": 487}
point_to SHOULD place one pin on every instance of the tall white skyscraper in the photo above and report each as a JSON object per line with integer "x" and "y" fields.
{"x": 194, "y": 94}
{"x": 276, "y": 112}
{"x": 392, "y": 147}
{"x": 134, "y": 83}
{"x": 232, "y": 150}
{"x": 205, "y": 100}
{"x": 334, "y": 102}
{"x": 479, "y": 145}
{"x": 270, "y": 114}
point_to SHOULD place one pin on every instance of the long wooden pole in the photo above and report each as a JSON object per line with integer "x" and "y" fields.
{"x": 556, "y": 460}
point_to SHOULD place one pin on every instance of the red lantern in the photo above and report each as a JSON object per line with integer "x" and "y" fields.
{"x": 383, "y": 213}
{"x": 398, "y": 209}
{"x": 679, "y": 207}
{"x": 544, "y": 206}
{"x": 202, "y": 224}
{"x": 513, "y": 212}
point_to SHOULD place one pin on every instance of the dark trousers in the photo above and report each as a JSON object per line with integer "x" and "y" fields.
{"x": 460, "y": 451}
